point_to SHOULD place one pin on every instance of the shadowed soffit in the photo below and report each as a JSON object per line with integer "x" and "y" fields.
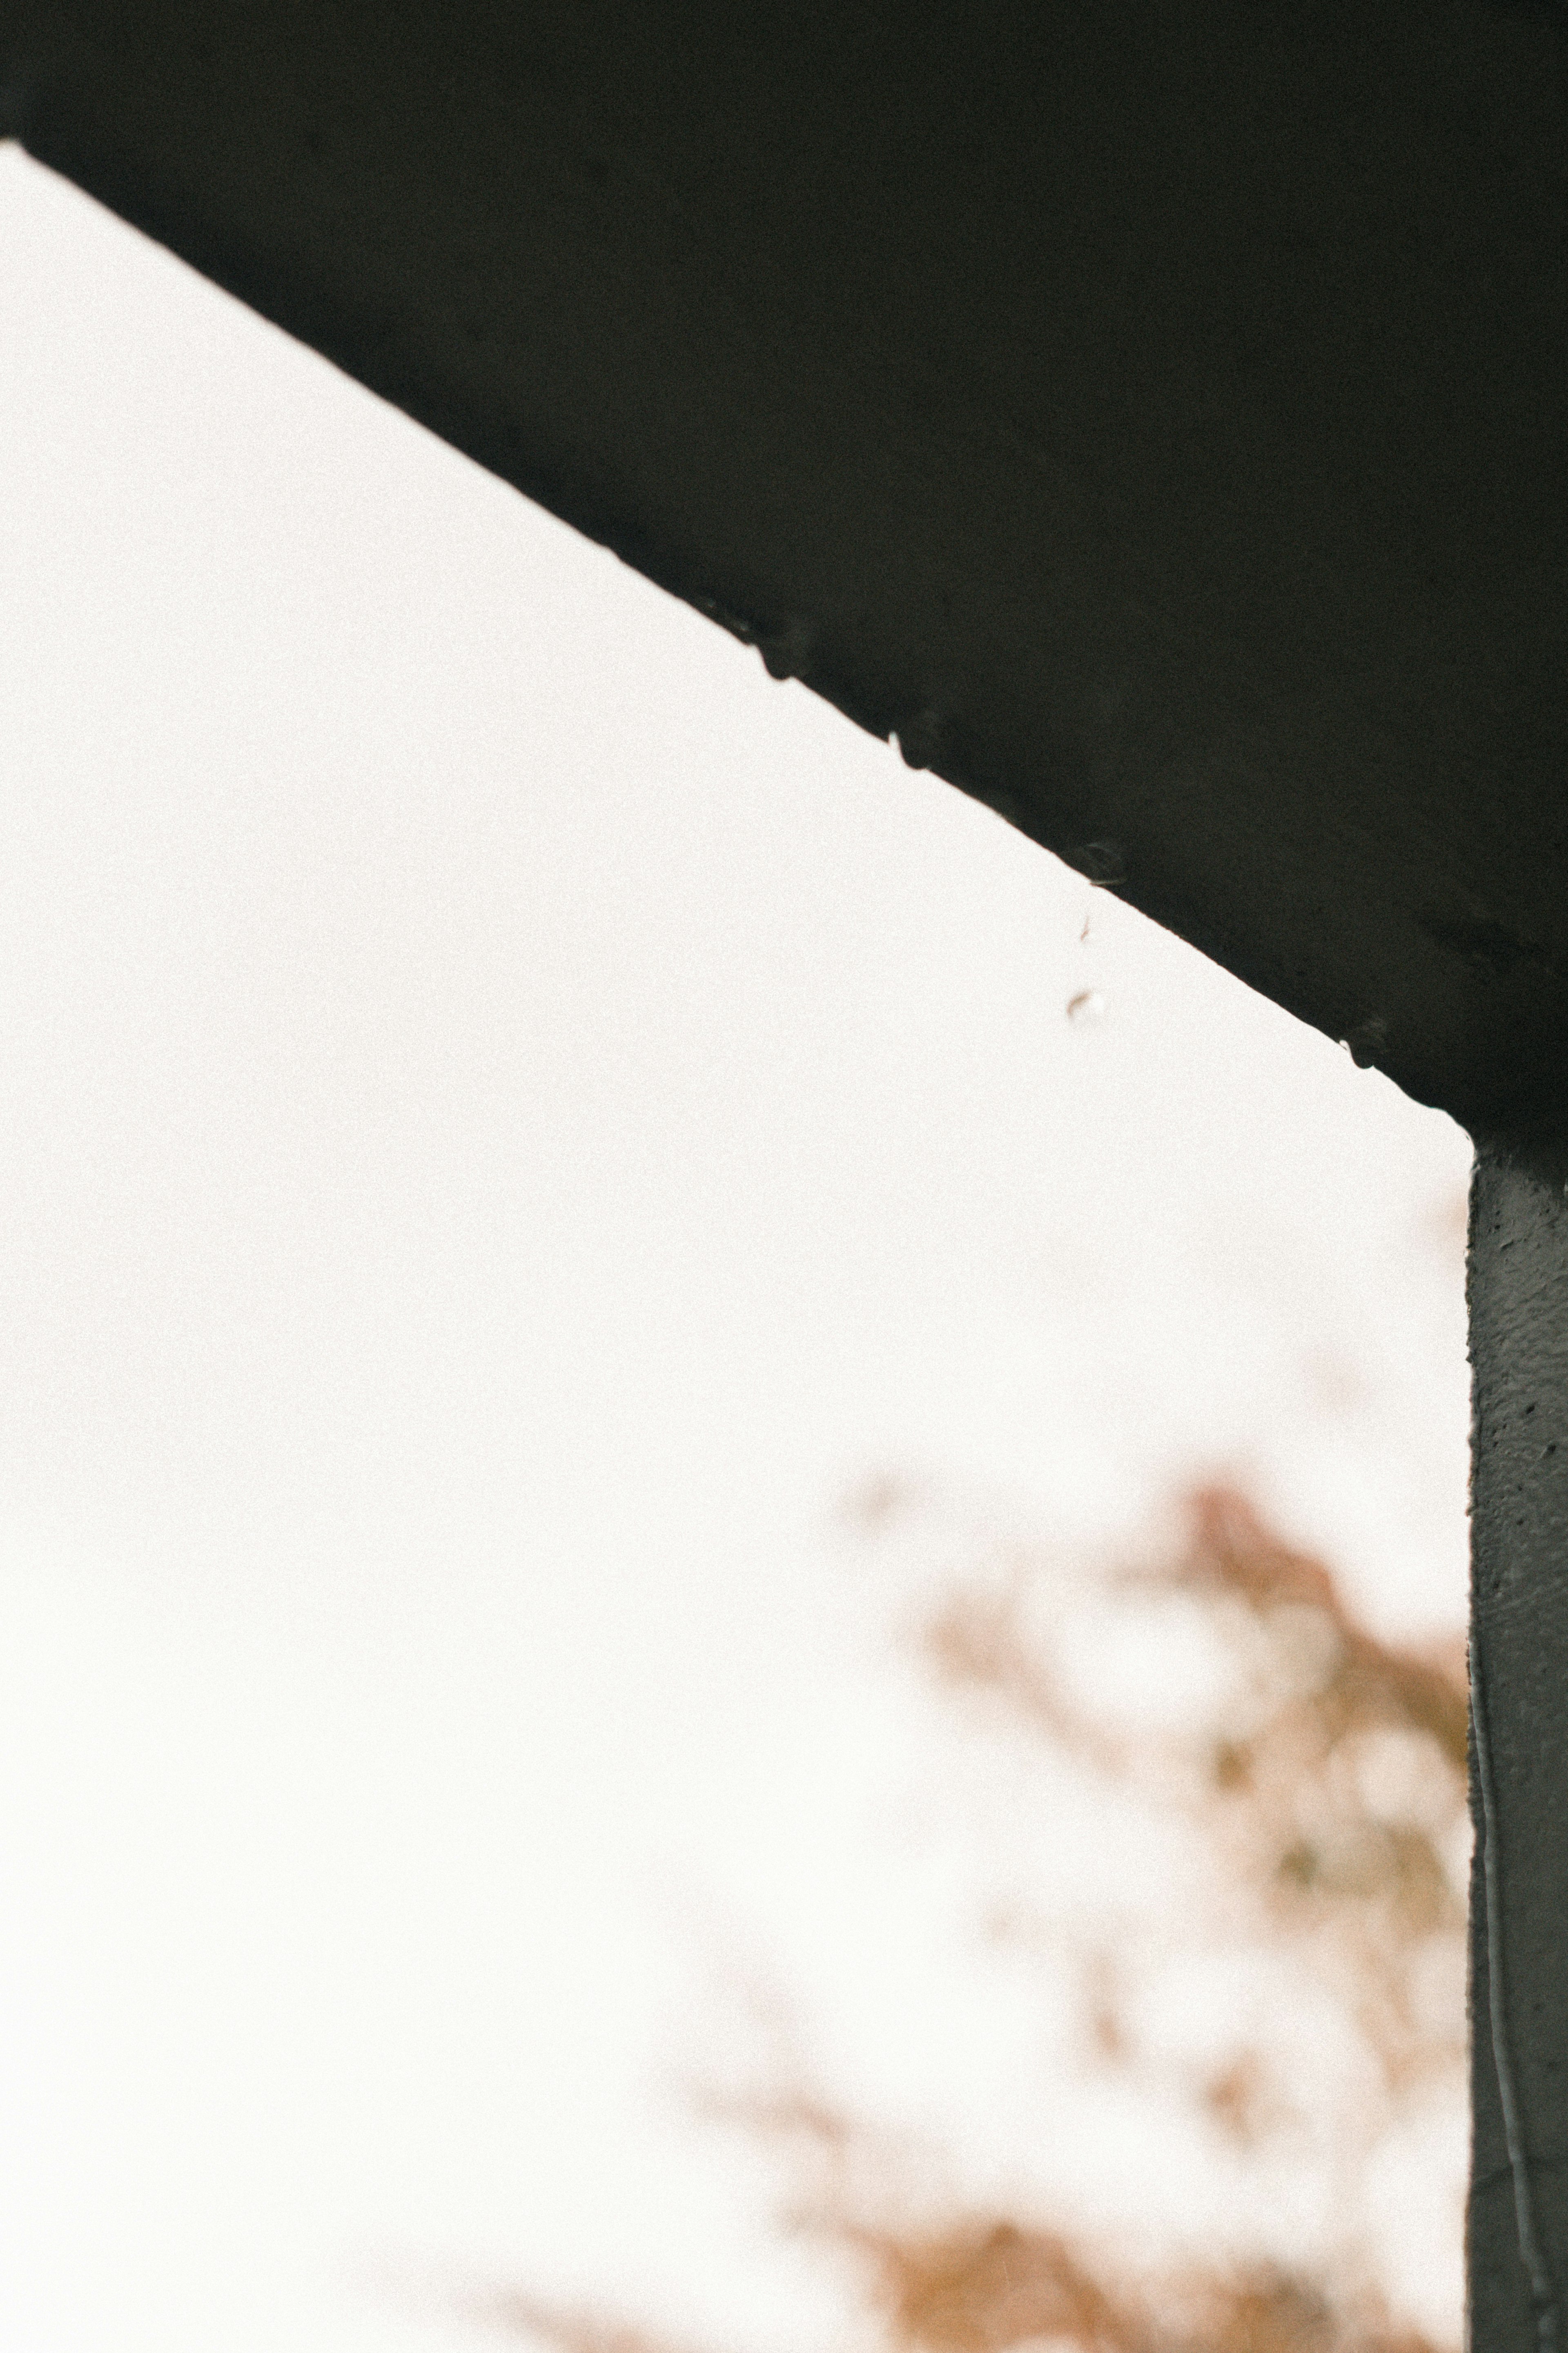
{"x": 1151, "y": 411}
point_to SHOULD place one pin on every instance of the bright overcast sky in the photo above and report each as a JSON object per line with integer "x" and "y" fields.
{"x": 508, "y": 1114}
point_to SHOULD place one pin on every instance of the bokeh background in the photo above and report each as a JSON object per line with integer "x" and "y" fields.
{"x": 509, "y": 1118}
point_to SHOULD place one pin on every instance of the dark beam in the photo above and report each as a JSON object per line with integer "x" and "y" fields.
{"x": 1153, "y": 411}
{"x": 1518, "y": 1660}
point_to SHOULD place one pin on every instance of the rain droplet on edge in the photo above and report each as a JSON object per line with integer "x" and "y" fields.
{"x": 1087, "y": 1008}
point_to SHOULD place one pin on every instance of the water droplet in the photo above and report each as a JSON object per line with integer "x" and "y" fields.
{"x": 921, "y": 739}
{"x": 788, "y": 653}
{"x": 1087, "y": 1008}
{"x": 1104, "y": 864}
{"x": 1367, "y": 1041}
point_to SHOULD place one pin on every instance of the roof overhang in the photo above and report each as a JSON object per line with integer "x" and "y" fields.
{"x": 1152, "y": 412}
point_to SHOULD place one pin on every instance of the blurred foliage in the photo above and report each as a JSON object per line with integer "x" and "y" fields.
{"x": 1320, "y": 1773}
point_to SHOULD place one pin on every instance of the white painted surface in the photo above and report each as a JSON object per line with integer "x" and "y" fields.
{"x": 507, "y": 1114}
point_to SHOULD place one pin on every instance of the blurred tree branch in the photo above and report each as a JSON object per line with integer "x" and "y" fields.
{"x": 1322, "y": 1771}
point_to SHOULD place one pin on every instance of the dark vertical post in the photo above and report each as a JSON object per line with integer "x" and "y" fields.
{"x": 1517, "y": 2230}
